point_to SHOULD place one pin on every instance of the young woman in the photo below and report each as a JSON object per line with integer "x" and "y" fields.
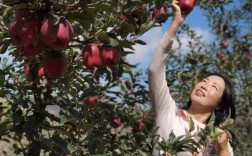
{"x": 212, "y": 94}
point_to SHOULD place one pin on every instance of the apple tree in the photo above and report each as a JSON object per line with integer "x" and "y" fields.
{"x": 66, "y": 85}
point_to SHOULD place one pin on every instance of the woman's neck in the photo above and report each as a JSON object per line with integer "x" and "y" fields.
{"x": 201, "y": 115}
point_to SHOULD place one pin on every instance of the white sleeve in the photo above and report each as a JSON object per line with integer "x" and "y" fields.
{"x": 163, "y": 103}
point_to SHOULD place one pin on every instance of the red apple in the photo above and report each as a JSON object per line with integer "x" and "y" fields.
{"x": 248, "y": 56}
{"x": 164, "y": 10}
{"x": 186, "y": 6}
{"x": 110, "y": 56}
{"x": 55, "y": 64}
{"x": 218, "y": 53}
{"x": 32, "y": 50}
{"x": 57, "y": 36}
{"x": 140, "y": 125}
{"x": 155, "y": 12}
{"x": 91, "y": 101}
{"x": 33, "y": 74}
{"x": 123, "y": 18}
{"x": 117, "y": 121}
{"x": 92, "y": 56}
{"x": 23, "y": 29}
{"x": 144, "y": 7}
{"x": 225, "y": 44}
{"x": 28, "y": 75}
{"x": 41, "y": 72}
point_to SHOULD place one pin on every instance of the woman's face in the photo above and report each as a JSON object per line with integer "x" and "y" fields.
{"x": 208, "y": 92}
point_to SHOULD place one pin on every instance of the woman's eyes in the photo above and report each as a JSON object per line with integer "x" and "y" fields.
{"x": 215, "y": 87}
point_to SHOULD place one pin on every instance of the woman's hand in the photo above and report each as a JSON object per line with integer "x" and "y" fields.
{"x": 222, "y": 143}
{"x": 178, "y": 17}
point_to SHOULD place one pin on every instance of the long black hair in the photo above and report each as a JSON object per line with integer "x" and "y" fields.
{"x": 226, "y": 106}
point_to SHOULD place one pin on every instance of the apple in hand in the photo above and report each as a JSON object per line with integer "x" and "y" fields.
{"x": 23, "y": 29}
{"x": 91, "y": 56}
{"x": 110, "y": 56}
{"x": 57, "y": 36}
{"x": 55, "y": 64}
{"x": 186, "y": 6}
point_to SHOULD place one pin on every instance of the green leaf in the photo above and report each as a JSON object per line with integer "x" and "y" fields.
{"x": 103, "y": 37}
{"x": 142, "y": 153}
{"x": 53, "y": 19}
{"x": 125, "y": 29}
{"x": 9, "y": 11}
{"x": 63, "y": 144}
{"x": 140, "y": 42}
{"x": 85, "y": 19}
{"x": 105, "y": 7}
{"x": 71, "y": 148}
{"x": 4, "y": 125}
{"x": 161, "y": 18}
{"x": 113, "y": 42}
{"x": 126, "y": 44}
{"x": 191, "y": 124}
{"x": 17, "y": 117}
{"x": 146, "y": 26}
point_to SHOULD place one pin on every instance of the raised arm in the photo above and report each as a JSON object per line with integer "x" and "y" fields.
{"x": 159, "y": 91}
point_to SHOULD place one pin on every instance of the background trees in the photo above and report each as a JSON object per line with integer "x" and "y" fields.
{"x": 98, "y": 104}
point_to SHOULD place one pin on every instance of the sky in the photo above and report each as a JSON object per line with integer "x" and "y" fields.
{"x": 144, "y": 53}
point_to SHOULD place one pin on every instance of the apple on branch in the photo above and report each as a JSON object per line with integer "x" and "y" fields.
{"x": 33, "y": 74}
{"x": 92, "y": 56}
{"x": 23, "y": 29}
{"x": 55, "y": 64}
{"x": 91, "y": 101}
{"x": 57, "y": 36}
{"x": 156, "y": 12}
{"x": 110, "y": 56}
{"x": 32, "y": 50}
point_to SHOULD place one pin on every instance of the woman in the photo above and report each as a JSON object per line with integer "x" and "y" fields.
{"x": 212, "y": 94}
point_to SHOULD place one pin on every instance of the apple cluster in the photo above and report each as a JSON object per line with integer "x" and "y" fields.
{"x": 96, "y": 56}
{"x": 32, "y": 35}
